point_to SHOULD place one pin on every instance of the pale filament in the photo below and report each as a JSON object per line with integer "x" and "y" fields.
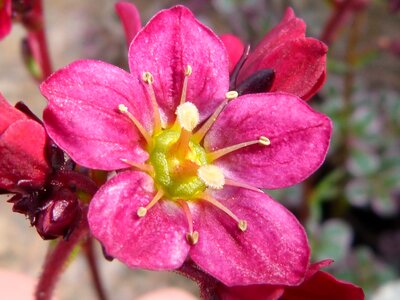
{"x": 188, "y": 72}
{"x": 181, "y": 147}
{"x": 231, "y": 182}
{"x": 242, "y": 224}
{"x": 142, "y": 167}
{"x": 199, "y": 135}
{"x": 147, "y": 136}
{"x": 142, "y": 211}
{"x": 224, "y": 151}
{"x": 191, "y": 236}
{"x": 149, "y": 79}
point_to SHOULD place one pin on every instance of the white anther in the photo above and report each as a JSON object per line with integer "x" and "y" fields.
{"x": 122, "y": 108}
{"x": 141, "y": 212}
{"x": 231, "y": 95}
{"x": 188, "y": 116}
{"x": 263, "y": 140}
{"x": 188, "y": 70}
{"x": 147, "y": 77}
{"x": 212, "y": 176}
{"x": 242, "y": 225}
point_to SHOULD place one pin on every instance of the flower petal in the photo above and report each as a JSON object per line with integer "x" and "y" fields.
{"x": 5, "y": 18}
{"x": 273, "y": 249}
{"x": 235, "y": 48}
{"x": 156, "y": 241}
{"x": 130, "y": 19}
{"x": 299, "y": 62}
{"x": 324, "y": 286}
{"x": 22, "y": 155}
{"x": 82, "y": 116}
{"x": 253, "y": 292}
{"x": 299, "y": 139}
{"x": 8, "y": 114}
{"x": 172, "y": 40}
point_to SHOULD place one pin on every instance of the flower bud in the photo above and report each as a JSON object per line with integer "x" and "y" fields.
{"x": 59, "y": 216}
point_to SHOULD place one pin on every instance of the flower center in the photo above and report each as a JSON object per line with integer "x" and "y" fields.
{"x": 175, "y": 172}
{"x": 181, "y": 168}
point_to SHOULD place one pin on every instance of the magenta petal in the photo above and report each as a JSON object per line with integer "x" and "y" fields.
{"x": 273, "y": 249}
{"x": 156, "y": 241}
{"x": 130, "y": 19}
{"x": 299, "y": 139}
{"x": 324, "y": 286}
{"x": 8, "y": 114}
{"x": 172, "y": 40}
{"x": 22, "y": 155}
{"x": 235, "y": 48}
{"x": 83, "y": 117}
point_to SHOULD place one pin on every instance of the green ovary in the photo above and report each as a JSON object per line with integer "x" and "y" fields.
{"x": 177, "y": 176}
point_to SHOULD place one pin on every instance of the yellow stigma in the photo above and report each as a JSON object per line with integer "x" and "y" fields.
{"x": 188, "y": 116}
{"x": 231, "y": 95}
{"x": 212, "y": 176}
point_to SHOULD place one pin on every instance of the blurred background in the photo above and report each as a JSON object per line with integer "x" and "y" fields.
{"x": 350, "y": 207}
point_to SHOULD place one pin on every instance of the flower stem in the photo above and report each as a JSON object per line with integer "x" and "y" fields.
{"x": 91, "y": 260}
{"x": 57, "y": 259}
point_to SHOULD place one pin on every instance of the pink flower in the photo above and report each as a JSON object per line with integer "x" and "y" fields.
{"x": 299, "y": 62}
{"x": 189, "y": 155}
{"x": 316, "y": 286}
{"x": 22, "y": 150}
{"x": 5, "y": 18}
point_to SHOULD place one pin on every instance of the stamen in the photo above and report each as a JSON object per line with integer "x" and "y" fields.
{"x": 147, "y": 136}
{"x": 242, "y": 224}
{"x": 188, "y": 116}
{"x": 142, "y": 167}
{"x": 231, "y": 182}
{"x": 212, "y": 176}
{"x": 149, "y": 79}
{"x": 192, "y": 236}
{"x": 199, "y": 135}
{"x": 188, "y": 72}
{"x": 142, "y": 211}
{"x": 221, "y": 152}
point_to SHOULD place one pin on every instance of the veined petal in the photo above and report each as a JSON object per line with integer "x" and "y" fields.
{"x": 82, "y": 116}
{"x": 234, "y": 47}
{"x": 273, "y": 249}
{"x": 299, "y": 139}
{"x": 298, "y": 65}
{"x": 156, "y": 241}
{"x": 22, "y": 155}
{"x": 299, "y": 62}
{"x": 288, "y": 29}
{"x": 324, "y": 286}
{"x": 172, "y": 40}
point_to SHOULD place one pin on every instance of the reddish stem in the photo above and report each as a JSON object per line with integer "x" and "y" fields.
{"x": 37, "y": 42}
{"x": 91, "y": 260}
{"x": 56, "y": 260}
{"x": 338, "y": 17}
